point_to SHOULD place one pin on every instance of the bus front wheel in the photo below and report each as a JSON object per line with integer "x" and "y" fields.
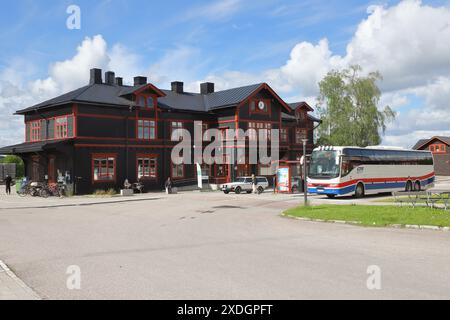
{"x": 359, "y": 193}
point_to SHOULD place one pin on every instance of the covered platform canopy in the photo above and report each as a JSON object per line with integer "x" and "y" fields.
{"x": 33, "y": 147}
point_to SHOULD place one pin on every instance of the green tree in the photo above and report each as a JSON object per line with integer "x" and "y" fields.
{"x": 20, "y": 167}
{"x": 348, "y": 107}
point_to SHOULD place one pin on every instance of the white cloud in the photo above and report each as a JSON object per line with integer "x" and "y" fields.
{"x": 17, "y": 91}
{"x": 408, "y": 43}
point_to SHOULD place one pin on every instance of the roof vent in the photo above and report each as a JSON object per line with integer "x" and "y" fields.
{"x": 110, "y": 78}
{"x": 138, "y": 81}
{"x": 207, "y": 88}
{"x": 96, "y": 76}
{"x": 178, "y": 87}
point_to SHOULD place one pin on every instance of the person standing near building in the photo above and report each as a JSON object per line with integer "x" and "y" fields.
{"x": 254, "y": 183}
{"x": 8, "y": 181}
{"x": 168, "y": 186}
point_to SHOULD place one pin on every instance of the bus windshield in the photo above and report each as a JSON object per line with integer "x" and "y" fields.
{"x": 324, "y": 165}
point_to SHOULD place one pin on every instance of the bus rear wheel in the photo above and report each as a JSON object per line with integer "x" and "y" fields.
{"x": 417, "y": 186}
{"x": 408, "y": 187}
{"x": 331, "y": 196}
{"x": 359, "y": 192}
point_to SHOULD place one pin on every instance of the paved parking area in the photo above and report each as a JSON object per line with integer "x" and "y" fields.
{"x": 212, "y": 246}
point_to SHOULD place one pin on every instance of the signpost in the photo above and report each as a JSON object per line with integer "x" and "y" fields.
{"x": 199, "y": 176}
{"x": 305, "y": 173}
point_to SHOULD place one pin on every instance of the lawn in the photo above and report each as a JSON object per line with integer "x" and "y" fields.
{"x": 405, "y": 199}
{"x": 374, "y": 216}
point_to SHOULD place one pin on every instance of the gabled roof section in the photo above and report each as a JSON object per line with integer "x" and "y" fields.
{"x": 296, "y": 105}
{"x": 141, "y": 88}
{"x": 423, "y": 142}
{"x": 291, "y": 117}
{"x": 230, "y": 97}
{"x": 420, "y": 143}
{"x": 268, "y": 88}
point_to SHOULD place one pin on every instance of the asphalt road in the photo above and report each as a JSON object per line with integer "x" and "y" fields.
{"x": 212, "y": 246}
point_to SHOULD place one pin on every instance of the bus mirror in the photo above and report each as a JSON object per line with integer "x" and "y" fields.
{"x": 338, "y": 160}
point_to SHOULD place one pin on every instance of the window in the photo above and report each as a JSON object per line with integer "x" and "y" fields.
{"x": 205, "y": 133}
{"x": 141, "y": 101}
{"x": 150, "y": 102}
{"x": 284, "y": 135}
{"x": 104, "y": 167}
{"x": 177, "y": 171}
{"x": 61, "y": 128}
{"x": 147, "y": 167}
{"x": 300, "y": 134}
{"x": 437, "y": 148}
{"x": 206, "y": 170}
{"x": 146, "y": 129}
{"x": 35, "y": 130}
{"x": 257, "y": 126}
{"x": 224, "y": 132}
{"x": 176, "y": 134}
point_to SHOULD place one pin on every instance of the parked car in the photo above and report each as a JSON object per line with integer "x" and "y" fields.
{"x": 244, "y": 184}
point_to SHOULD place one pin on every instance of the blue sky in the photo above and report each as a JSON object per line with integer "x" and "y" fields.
{"x": 289, "y": 44}
{"x": 249, "y": 36}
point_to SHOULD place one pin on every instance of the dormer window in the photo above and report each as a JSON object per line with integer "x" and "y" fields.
{"x": 145, "y": 101}
{"x": 150, "y": 102}
{"x": 141, "y": 101}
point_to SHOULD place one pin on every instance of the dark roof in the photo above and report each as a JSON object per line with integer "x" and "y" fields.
{"x": 286, "y": 116}
{"x": 230, "y": 97}
{"x": 120, "y": 96}
{"x": 31, "y": 147}
{"x": 94, "y": 93}
{"x": 420, "y": 143}
{"x": 423, "y": 142}
{"x": 208, "y": 102}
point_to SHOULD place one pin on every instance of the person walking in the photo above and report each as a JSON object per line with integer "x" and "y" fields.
{"x": 8, "y": 181}
{"x": 168, "y": 186}
{"x": 254, "y": 183}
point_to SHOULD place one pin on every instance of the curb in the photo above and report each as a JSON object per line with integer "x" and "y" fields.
{"x": 33, "y": 295}
{"x": 356, "y": 223}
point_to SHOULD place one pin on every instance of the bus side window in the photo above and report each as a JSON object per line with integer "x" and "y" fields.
{"x": 347, "y": 167}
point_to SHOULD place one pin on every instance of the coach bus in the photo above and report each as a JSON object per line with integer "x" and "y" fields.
{"x": 344, "y": 171}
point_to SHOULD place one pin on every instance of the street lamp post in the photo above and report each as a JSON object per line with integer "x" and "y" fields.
{"x": 305, "y": 173}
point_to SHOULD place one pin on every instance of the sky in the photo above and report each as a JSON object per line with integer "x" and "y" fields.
{"x": 289, "y": 44}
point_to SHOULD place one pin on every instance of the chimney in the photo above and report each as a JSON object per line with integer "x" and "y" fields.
{"x": 138, "y": 81}
{"x": 110, "y": 78}
{"x": 178, "y": 87}
{"x": 96, "y": 76}
{"x": 119, "y": 81}
{"x": 207, "y": 88}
